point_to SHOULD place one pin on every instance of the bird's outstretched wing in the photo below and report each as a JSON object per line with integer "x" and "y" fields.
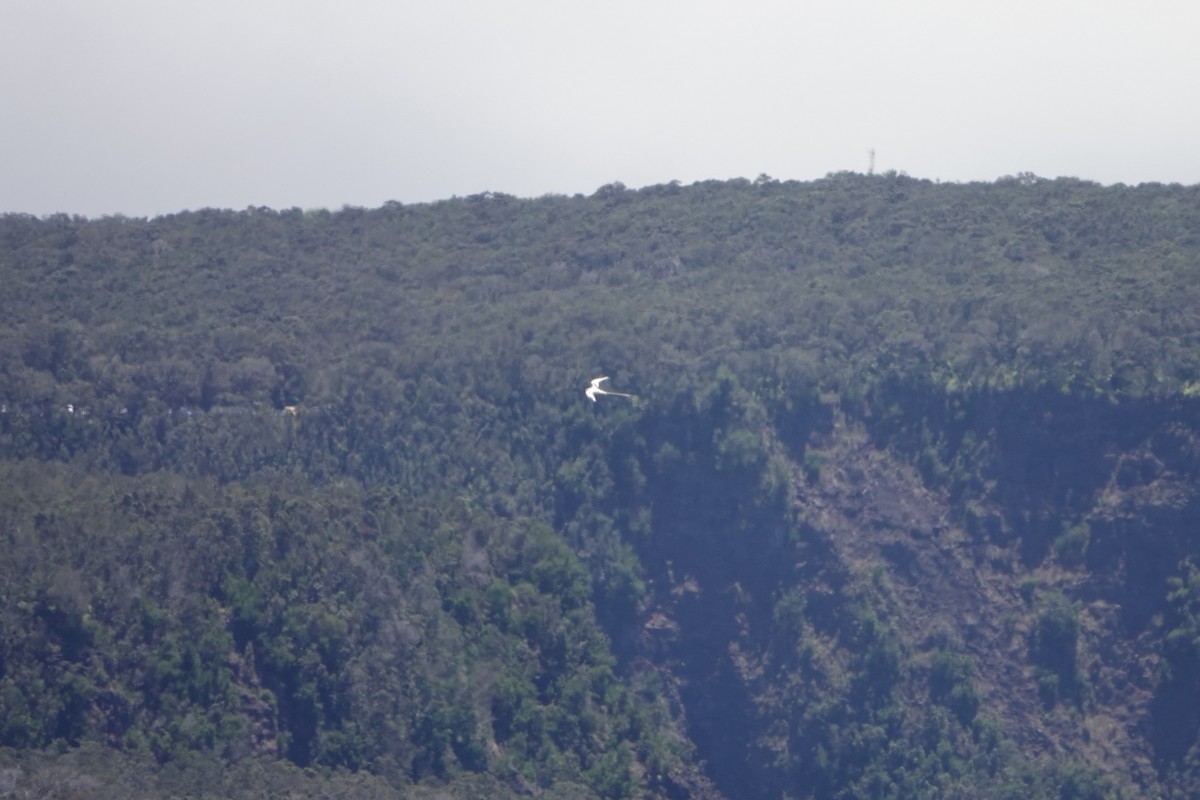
{"x": 595, "y": 389}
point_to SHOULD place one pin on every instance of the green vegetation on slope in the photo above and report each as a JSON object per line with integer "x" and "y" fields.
{"x": 323, "y": 488}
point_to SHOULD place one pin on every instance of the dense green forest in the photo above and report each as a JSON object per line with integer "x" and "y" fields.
{"x": 312, "y": 504}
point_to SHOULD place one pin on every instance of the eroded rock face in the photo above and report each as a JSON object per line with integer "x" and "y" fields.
{"x": 880, "y": 579}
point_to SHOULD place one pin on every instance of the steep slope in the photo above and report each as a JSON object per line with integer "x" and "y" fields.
{"x": 1031, "y": 610}
{"x": 904, "y": 506}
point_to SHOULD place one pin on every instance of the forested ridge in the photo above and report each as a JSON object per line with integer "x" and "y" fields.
{"x": 312, "y": 502}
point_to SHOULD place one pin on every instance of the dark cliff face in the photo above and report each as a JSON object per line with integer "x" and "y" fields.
{"x": 983, "y": 575}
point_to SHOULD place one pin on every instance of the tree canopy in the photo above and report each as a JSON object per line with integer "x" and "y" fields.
{"x": 289, "y": 490}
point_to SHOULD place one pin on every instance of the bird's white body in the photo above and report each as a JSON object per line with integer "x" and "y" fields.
{"x": 595, "y": 389}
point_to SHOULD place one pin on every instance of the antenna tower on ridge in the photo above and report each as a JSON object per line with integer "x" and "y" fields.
{"x": 871, "y": 161}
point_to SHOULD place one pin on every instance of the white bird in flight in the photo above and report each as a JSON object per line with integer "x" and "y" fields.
{"x": 595, "y": 389}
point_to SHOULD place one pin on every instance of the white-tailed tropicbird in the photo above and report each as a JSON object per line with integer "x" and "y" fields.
{"x": 595, "y": 389}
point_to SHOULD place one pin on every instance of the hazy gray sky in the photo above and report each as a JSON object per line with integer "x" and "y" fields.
{"x": 146, "y": 107}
